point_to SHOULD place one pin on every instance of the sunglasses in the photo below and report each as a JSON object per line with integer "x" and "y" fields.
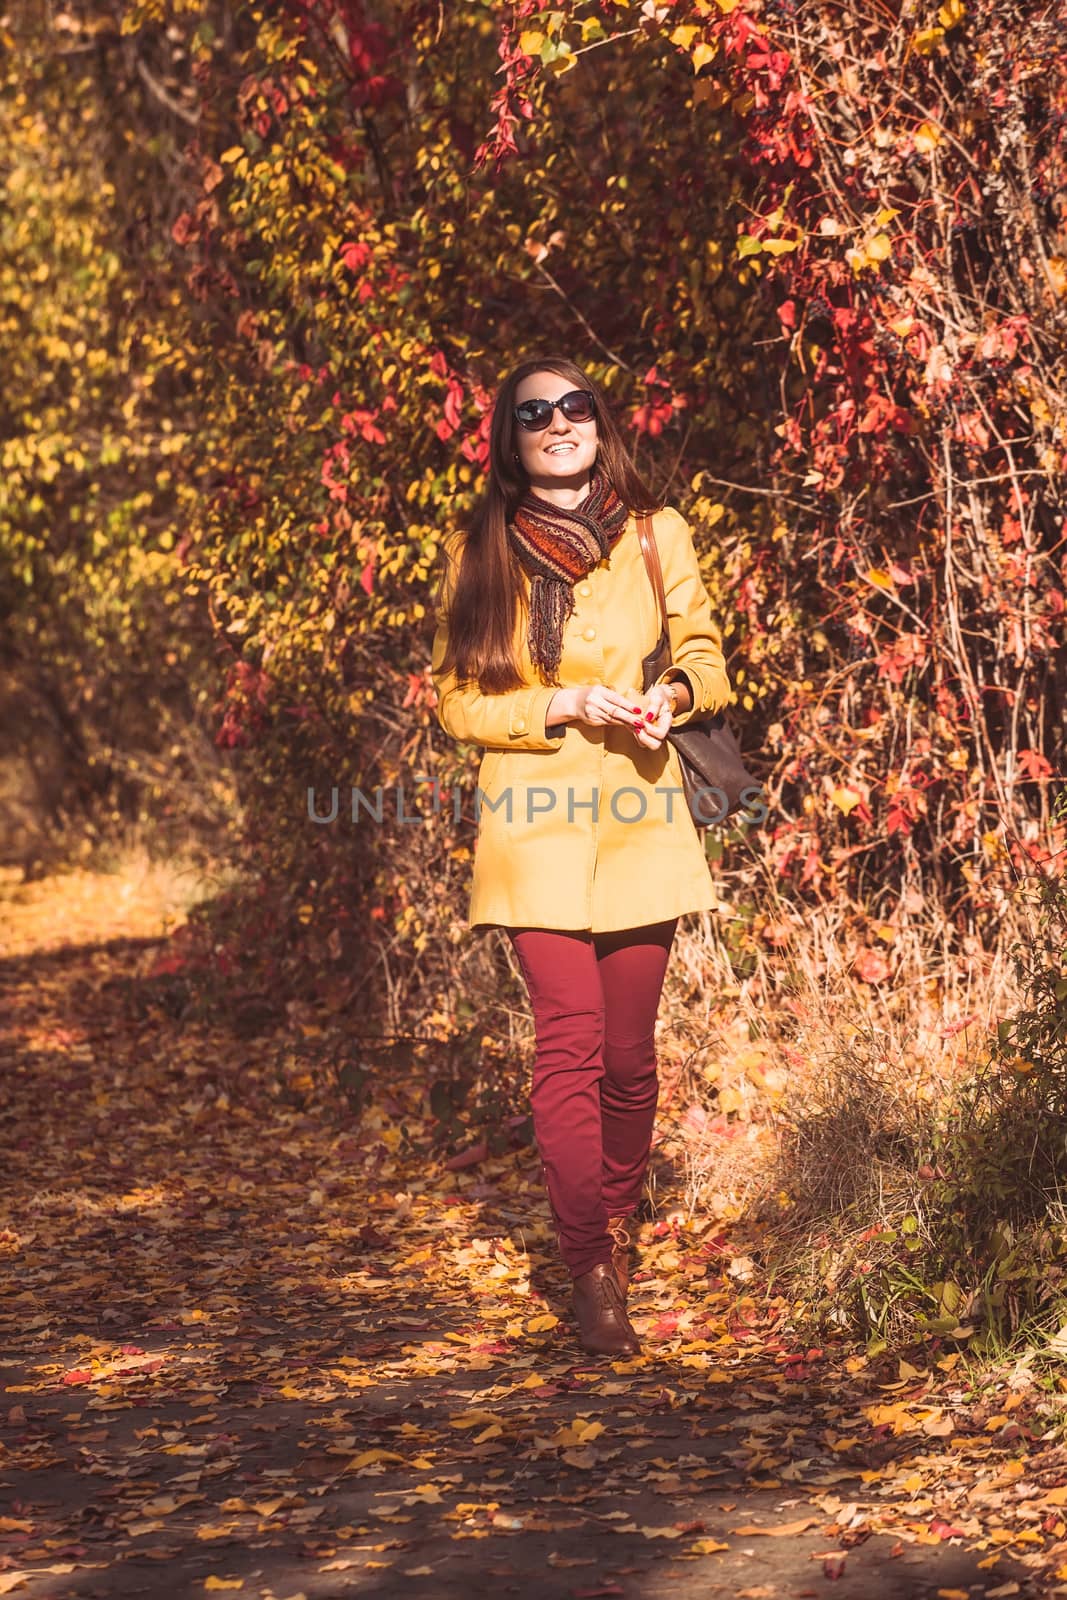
{"x": 577, "y": 405}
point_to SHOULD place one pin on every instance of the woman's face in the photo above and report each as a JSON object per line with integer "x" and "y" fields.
{"x": 561, "y": 455}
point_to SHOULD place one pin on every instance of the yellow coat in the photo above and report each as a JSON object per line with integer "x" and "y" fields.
{"x": 556, "y": 862}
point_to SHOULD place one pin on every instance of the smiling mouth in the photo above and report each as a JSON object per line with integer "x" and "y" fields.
{"x": 559, "y": 449}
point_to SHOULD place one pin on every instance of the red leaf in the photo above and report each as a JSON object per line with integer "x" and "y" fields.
{"x": 166, "y": 966}
{"x": 945, "y": 1530}
{"x": 366, "y": 577}
{"x": 958, "y": 1027}
{"x": 897, "y": 821}
{"x": 355, "y": 255}
{"x": 77, "y": 1377}
{"x": 468, "y": 1158}
{"x": 1033, "y": 763}
{"x": 454, "y": 404}
{"x": 871, "y": 966}
{"x": 664, "y": 1327}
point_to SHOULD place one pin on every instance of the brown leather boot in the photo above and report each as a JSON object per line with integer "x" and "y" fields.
{"x": 620, "y": 1255}
{"x": 603, "y": 1326}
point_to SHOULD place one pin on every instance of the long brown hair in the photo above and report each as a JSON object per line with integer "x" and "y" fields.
{"x": 490, "y": 584}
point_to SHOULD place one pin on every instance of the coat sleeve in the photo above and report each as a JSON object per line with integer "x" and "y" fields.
{"x": 696, "y": 645}
{"x": 511, "y": 721}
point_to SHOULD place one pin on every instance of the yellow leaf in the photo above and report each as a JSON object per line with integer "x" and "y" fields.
{"x": 703, "y": 53}
{"x": 530, "y": 42}
{"x": 706, "y": 1547}
{"x": 365, "y": 1458}
{"x": 927, "y": 137}
{"x": 683, "y": 37}
{"x": 879, "y": 247}
{"x": 886, "y": 214}
{"x": 927, "y": 40}
{"x": 224, "y": 1583}
{"x": 234, "y": 153}
{"x": 785, "y": 1531}
{"x": 214, "y": 1530}
{"x": 879, "y": 577}
{"x": 896, "y": 1415}
{"x": 541, "y": 1325}
{"x": 846, "y": 800}
{"x": 778, "y": 247}
{"x": 953, "y": 1594}
{"x": 952, "y": 13}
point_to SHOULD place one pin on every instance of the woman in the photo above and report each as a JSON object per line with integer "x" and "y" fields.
{"x": 586, "y": 854}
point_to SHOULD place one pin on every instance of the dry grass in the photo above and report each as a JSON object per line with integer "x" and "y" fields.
{"x": 805, "y": 1104}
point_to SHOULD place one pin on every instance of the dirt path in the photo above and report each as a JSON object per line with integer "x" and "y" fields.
{"x": 252, "y": 1344}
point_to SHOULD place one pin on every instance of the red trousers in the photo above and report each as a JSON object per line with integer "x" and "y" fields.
{"x": 594, "y": 998}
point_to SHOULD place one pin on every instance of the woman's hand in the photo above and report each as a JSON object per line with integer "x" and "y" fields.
{"x": 649, "y": 717}
{"x": 597, "y": 705}
{"x": 656, "y": 718}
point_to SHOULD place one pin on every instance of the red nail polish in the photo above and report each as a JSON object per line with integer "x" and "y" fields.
{"x": 637, "y": 711}
{"x": 650, "y": 716}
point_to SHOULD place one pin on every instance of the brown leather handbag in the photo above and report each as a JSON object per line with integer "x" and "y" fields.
{"x": 714, "y": 776}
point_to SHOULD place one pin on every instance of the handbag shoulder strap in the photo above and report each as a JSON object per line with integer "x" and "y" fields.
{"x": 650, "y": 551}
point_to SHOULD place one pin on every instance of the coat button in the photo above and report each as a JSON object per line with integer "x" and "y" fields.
{"x": 520, "y": 725}
{"x": 589, "y": 633}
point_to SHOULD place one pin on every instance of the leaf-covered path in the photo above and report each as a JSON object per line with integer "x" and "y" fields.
{"x": 249, "y": 1346}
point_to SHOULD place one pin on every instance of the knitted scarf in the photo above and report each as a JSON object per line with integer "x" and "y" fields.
{"x": 556, "y": 548}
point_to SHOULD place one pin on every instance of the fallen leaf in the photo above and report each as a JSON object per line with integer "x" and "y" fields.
{"x": 542, "y": 1324}
{"x": 786, "y": 1531}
